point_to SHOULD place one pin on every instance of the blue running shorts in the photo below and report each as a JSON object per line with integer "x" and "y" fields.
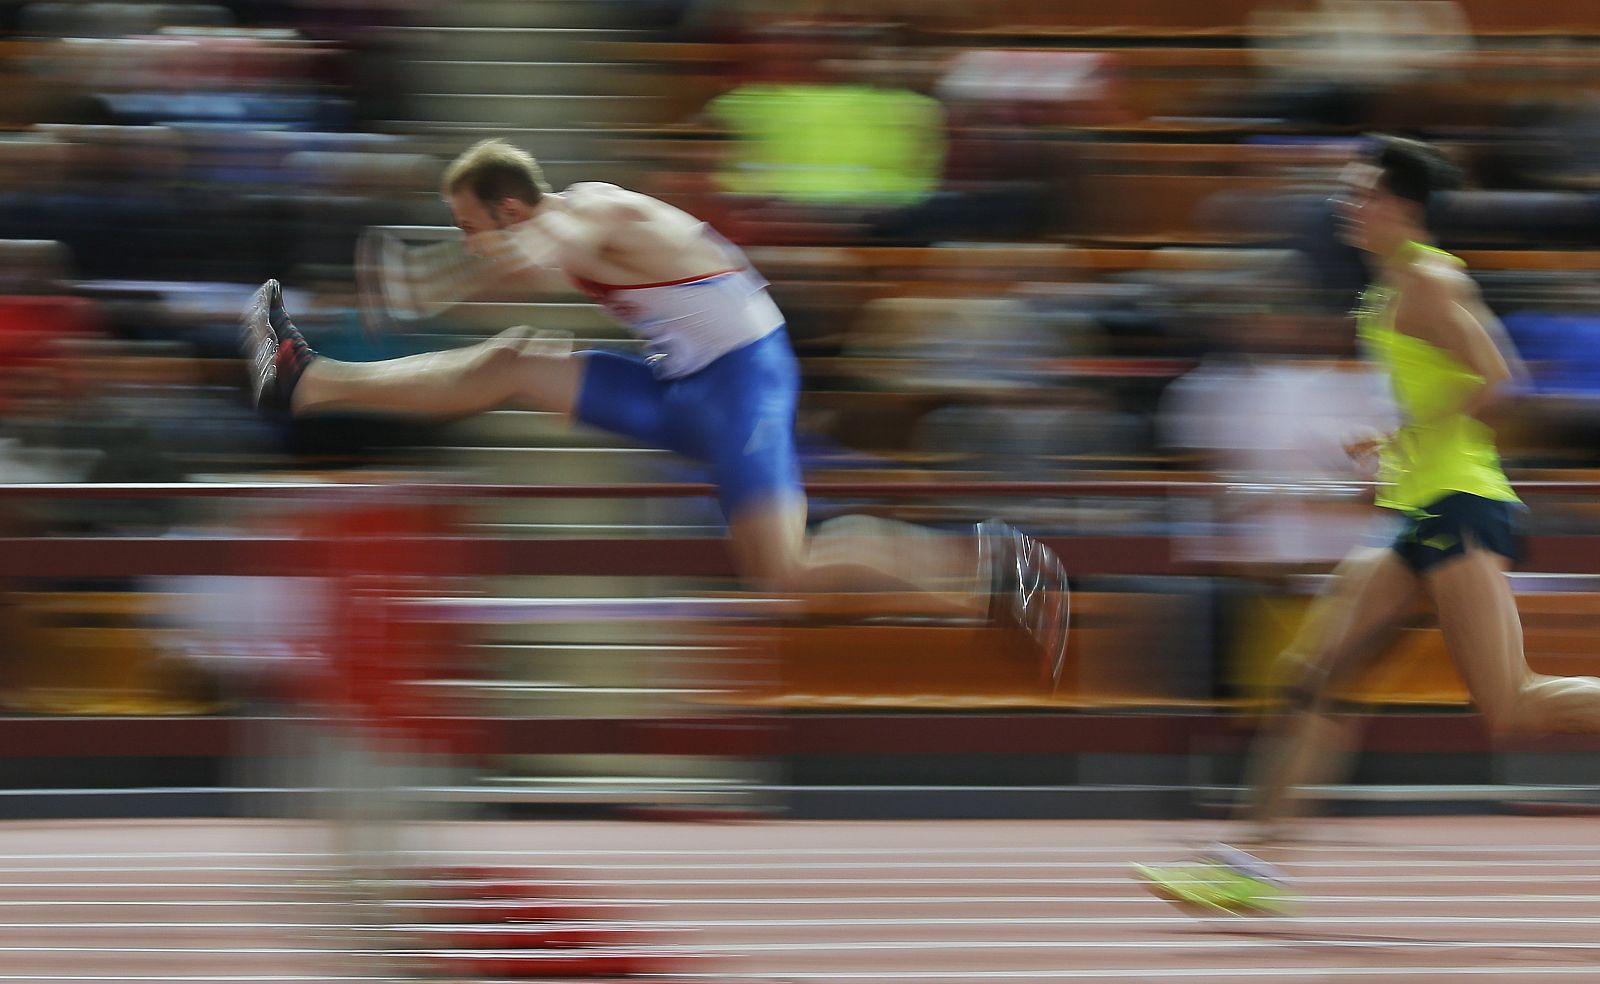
{"x": 735, "y": 415}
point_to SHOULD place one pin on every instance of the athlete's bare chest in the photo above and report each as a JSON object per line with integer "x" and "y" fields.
{"x": 648, "y": 261}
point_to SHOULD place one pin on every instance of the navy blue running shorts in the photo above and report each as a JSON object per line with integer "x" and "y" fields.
{"x": 1446, "y": 527}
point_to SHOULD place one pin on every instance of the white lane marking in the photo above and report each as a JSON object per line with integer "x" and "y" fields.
{"x": 1251, "y": 943}
{"x": 1112, "y": 850}
{"x": 231, "y": 927}
{"x": 166, "y": 903}
{"x": 797, "y": 882}
{"x": 229, "y": 950}
{"x": 512, "y": 870}
{"x": 1224, "y": 973}
{"x": 1176, "y": 920}
{"x": 166, "y": 868}
{"x": 1241, "y": 921}
{"x": 1139, "y": 899}
{"x": 812, "y": 946}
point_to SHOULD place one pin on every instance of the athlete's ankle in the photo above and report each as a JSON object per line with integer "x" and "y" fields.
{"x": 308, "y": 389}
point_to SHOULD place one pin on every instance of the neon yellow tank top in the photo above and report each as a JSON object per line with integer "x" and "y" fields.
{"x": 1437, "y": 450}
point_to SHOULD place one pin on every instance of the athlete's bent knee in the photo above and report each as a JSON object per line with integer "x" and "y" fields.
{"x": 1508, "y": 714}
{"x": 1303, "y": 684}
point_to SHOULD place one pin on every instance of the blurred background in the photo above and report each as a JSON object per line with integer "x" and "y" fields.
{"x": 1015, "y": 240}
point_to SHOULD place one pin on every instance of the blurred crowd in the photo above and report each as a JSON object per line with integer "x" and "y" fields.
{"x": 1013, "y": 238}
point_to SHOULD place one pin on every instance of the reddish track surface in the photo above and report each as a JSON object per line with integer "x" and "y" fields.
{"x": 1426, "y": 900}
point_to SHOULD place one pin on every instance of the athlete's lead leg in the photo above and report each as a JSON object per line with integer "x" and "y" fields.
{"x": 507, "y": 370}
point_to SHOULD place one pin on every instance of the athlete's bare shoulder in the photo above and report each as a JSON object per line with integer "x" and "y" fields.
{"x": 640, "y": 238}
{"x": 1440, "y": 303}
{"x": 1438, "y": 277}
{"x": 615, "y": 201}
{"x": 645, "y": 221}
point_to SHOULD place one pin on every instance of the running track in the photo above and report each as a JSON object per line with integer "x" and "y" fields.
{"x": 1425, "y": 900}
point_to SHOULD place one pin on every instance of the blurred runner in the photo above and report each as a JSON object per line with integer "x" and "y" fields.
{"x": 1451, "y": 366}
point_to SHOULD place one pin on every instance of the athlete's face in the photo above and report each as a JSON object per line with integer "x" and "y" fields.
{"x": 1369, "y": 217}
{"x": 474, "y": 216}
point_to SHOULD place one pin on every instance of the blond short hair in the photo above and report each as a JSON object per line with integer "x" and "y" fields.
{"x": 492, "y": 170}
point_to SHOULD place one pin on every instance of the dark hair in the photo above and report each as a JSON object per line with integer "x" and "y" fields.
{"x": 1413, "y": 170}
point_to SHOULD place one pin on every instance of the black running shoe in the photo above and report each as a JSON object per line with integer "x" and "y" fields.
{"x": 272, "y": 346}
{"x": 1027, "y": 590}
